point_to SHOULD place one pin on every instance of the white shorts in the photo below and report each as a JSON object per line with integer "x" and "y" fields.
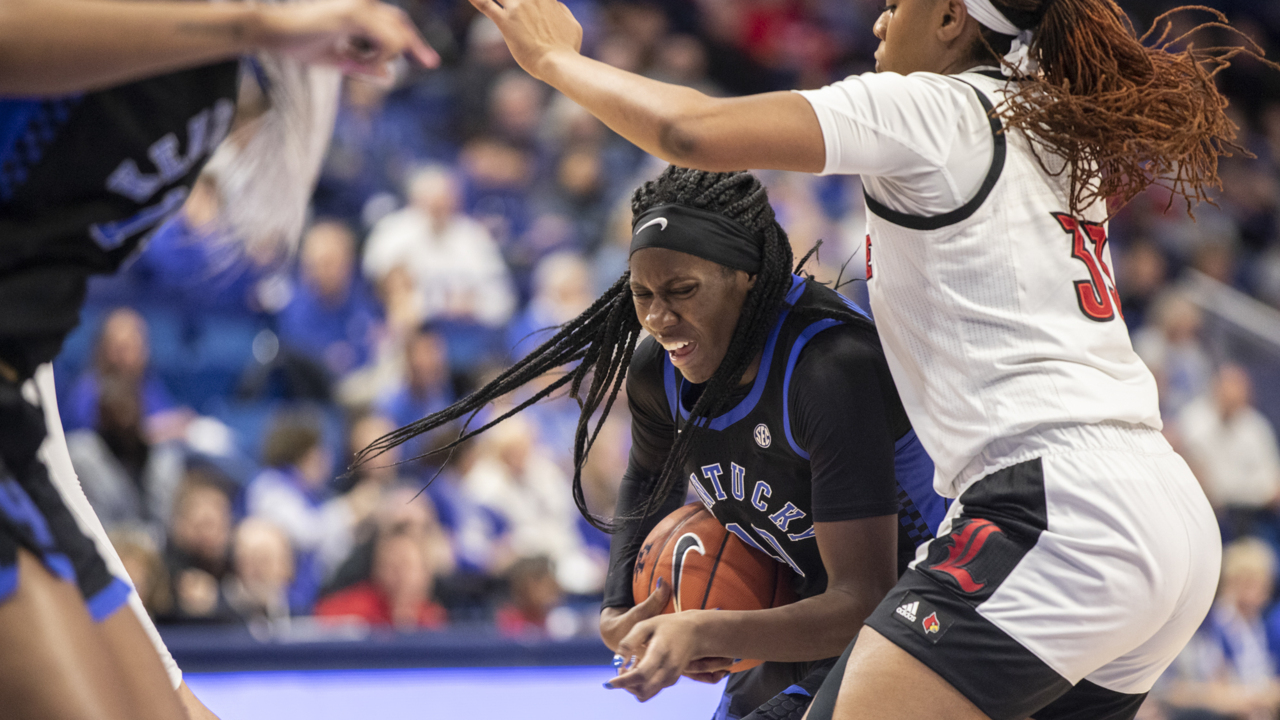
{"x": 1064, "y": 581}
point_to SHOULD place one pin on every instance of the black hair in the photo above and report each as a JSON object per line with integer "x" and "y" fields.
{"x": 603, "y": 339}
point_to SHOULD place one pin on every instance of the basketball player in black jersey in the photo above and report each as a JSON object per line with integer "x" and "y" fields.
{"x": 768, "y": 396}
{"x": 88, "y": 167}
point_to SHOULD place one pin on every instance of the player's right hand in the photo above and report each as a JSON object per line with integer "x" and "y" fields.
{"x": 615, "y": 623}
{"x": 533, "y": 29}
{"x": 358, "y": 36}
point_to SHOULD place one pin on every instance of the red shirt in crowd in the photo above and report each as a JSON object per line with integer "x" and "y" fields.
{"x": 365, "y": 601}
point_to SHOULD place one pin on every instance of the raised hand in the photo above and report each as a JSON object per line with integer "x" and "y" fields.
{"x": 357, "y": 36}
{"x": 534, "y": 29}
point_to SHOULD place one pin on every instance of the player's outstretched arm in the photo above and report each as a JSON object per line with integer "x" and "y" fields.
{"x": 682, "y": 126}
{"x": 52, "y": 47}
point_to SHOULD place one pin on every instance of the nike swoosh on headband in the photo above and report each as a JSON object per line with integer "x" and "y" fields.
{"x": 662, "y": 222}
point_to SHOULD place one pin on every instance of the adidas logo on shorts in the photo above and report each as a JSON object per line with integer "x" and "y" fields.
{"x": 922, "y": 617}
{"x": 908, "y": 610}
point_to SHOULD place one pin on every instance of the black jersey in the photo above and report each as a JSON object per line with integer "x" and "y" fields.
{"x": 85, "y": 178}
{"x": 819, "y": 435}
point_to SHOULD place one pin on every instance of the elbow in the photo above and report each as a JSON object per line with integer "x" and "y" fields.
{"x": 687, "y": 140}
{"x": 678, "y": 142}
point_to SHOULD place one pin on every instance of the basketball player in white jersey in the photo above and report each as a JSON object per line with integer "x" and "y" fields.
{"x": 1081, "y": 554}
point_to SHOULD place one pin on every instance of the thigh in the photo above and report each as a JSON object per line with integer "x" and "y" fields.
{"x": 142, "y": 675}
{"x": 1047, "y": 575}
{"x": 53, "y": 658}
{"x": 877, "y": 679}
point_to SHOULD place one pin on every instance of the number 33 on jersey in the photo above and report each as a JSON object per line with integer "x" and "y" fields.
{"x": 1098, "y": 298}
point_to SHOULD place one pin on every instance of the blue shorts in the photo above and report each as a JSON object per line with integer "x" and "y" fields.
{"x": 34, "y": 518}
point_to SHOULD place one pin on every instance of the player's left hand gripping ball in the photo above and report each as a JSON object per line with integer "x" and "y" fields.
{"x": 666, "y": 646}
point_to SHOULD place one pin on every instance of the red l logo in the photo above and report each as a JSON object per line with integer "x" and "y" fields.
{"x": 964, "y": 548}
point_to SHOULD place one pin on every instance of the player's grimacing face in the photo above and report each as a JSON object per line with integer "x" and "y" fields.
{"x": 689, "y": 305}
{"x": 907, "y": 30}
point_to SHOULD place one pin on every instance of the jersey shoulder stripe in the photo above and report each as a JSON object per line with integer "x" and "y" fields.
{"x": 964, "y": 212}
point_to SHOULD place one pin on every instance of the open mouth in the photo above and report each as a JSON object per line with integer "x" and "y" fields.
{"x": 679, "y": 351}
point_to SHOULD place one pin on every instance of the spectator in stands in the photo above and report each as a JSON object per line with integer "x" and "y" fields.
{"x": 122, "y": 350}
{"x": 427, "y": 385}
{"x": 258, "y": 591}
{"x": 480, "y": 535}
{"x": 398, "y": 592}
{"x": 1226, "y": 671}
{"x": 197, "y": 555}
{"x": 486, "y": 59}
{"x": 1172, "y": 349}
{"x": 561, "y": 290}
{"x": 376, "y": 138}
{"x": 534, "y": 594}
{"x": 456, "y": 267}
{"x": 292, "y": 493}
{"x": 516, "y": 476}
{"x": 1141, "y": 273}
{"x": 1232, "y": 448}
{"x": 332, "y": 317}
{"x": 402, "y": 507}
{"x": 515, "y": 108}
{"x": 137, "y": 550}
{"x": 500, "y": 177}
{"x": 128, "y": 479}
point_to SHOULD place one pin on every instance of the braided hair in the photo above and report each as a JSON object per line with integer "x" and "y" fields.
{"x": 1124, "y": 112}
{"x": 599, "y": 343}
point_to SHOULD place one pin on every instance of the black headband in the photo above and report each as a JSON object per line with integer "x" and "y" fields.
{"x": 710, "y": 236}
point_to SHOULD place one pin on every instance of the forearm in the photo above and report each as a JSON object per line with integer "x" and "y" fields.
{"x": 50, "y": 47}
{"x": 811, "y": 629}
{"x": 688, "y": 128}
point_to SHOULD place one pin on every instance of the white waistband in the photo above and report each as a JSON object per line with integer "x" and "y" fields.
{"x": 1049, "y": 439}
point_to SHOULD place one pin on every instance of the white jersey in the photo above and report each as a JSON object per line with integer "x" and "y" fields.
{"x": 996, "y": 308}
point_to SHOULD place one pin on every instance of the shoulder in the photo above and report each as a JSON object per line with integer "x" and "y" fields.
{"x": 890, "y": 97}
{"x": 838, "y": 354}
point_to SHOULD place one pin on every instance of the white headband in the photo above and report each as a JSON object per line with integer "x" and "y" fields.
{"x": 1020, "y": 53}
{"x": 988, "y": 16}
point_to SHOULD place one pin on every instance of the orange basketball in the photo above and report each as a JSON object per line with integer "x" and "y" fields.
{"x": 708, "y": 567}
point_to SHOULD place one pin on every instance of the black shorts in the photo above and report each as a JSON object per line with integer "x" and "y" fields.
{"x": 772, "y": 690}
{"x": 33, "y": 516}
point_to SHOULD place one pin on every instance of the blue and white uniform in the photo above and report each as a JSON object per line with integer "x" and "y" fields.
{"x": 84, "y": 180}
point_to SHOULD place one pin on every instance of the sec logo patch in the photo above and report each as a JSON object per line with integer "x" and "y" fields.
{"x": 763, "y": 438}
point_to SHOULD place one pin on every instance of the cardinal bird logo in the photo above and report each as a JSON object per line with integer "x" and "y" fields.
{"x": 931, "y": 624}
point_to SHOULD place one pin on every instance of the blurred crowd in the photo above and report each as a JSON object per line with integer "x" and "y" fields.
{"x": 215, "y": 393}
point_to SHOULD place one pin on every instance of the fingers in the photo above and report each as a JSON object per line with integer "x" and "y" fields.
{"x": 655, "y": 603}
{"x": 382, "y": 34}
{"x": 635, "y": 641}
{"x": 651, "y": 674}
{"x": 489, "y": 8}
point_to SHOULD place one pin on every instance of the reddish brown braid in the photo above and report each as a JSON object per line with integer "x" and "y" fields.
{"x": 1124, "y": 112}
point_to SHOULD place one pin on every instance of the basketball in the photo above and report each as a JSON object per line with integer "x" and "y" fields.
{"x": 708, "y": 567}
